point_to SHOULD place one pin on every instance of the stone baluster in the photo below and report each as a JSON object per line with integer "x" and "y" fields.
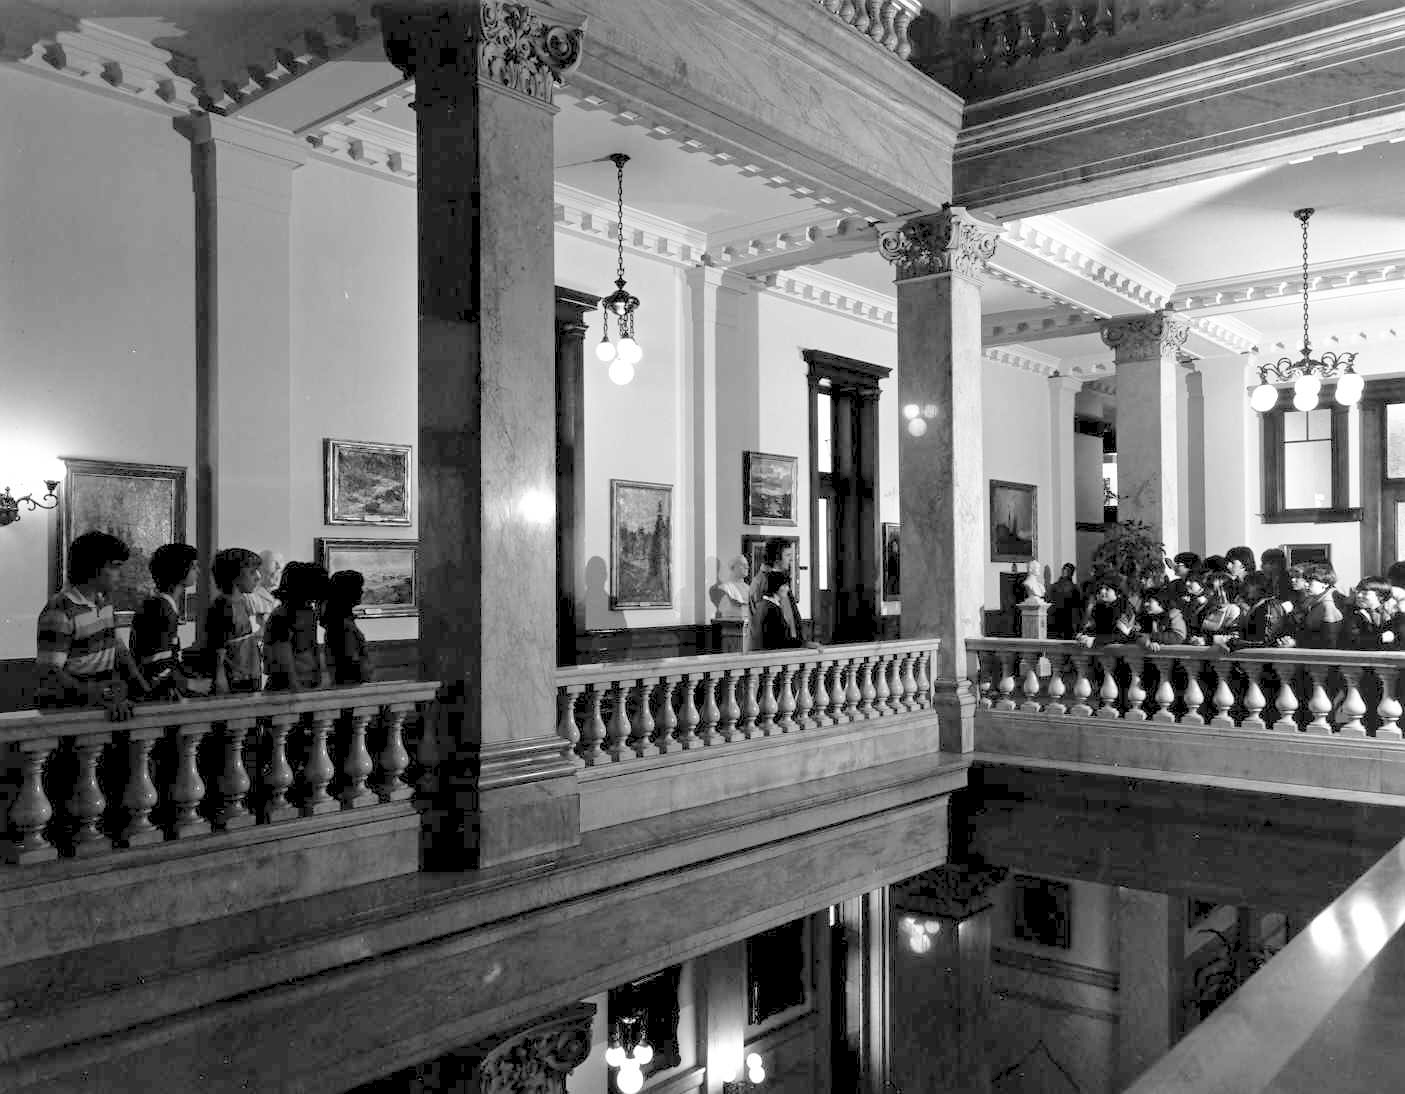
{"x": 881, "y": 692}
{"x": 139, "y": 797}
{"x": 280, "y": 772}
{"x": 1254, "y": 701}
{"x": 1056, "y": 689}
{"x": 1129, "y": 14}
{"x": 1353, "y": 706}
{"x": 394, "y": 760}
{"x": 823, "y": 717}
{"x": 1051, "y": 39}
{"x": 233, "y": 781}
{"x": 977, "y": 52}
{"x": 1030, "y": 685}
{"x": 1318, "y": 704}
{"x": 1223, "y": 698}
{"x": 853, "y": 694}
{"x": 867, "y": 692}
{"x": 984, "y": 683}
{"x": 859, "y": 19}
{"x": 1080, "y": 27}
{"x": 688, "y": 717}
{"x": 593, "y": 731}
{"x": 667, "y": 719}
{"x": 566, "y": 727}
{"x": 1026, "y": 47}
{"x": 1388, "y": 708}
{"x": 1286, "y": 703}
{"x": 750, "y": 708}
{"x": 617, "y": 732}
{"x": 357, "y": 766}
{"x": 1165, "y": 694}
{"x": 895, "y": 684}
{"x": 911, "y": 701}
{"x": 1136, "y": 693}
{"x": 641, "y": 728}
{"x": 804, "y": 700}
{"x": 87, "y": 803}
{"x": 847, "y": 10}
{"x": 318, "y": 771}
{"x": 785, "y": 701}
{"x": 766, "y": 717}
{"x": 427, "y": 748}
{"x": 1006, "y": 35}
{"x": 710, "y": 713}
{"x": 1108, "y": 692}
{"x": 924, "y": 679}
{"x": 1105, "y": 23}
{"x": 1005, "y": 685}
{"x": 1194, "y": 697}
{"x": 1082, "y": 686}
{"x": 188, "y": 790}
{"x": 731, "y": 712}
{"x": 902, "y": 20}
{"x": 31, "y": 809}
{"x": 876, "y": 30}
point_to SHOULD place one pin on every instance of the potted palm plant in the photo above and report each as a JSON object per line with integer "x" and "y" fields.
{"x": 1132, "y": 552}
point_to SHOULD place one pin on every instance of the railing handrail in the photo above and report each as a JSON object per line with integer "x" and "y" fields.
{"x": 609, "y": 671}
{"x": 223, "y": 708}
{"x": 1294, "y": 655}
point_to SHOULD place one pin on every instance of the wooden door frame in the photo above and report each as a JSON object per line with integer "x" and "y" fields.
{"x": 1377, "y": 395}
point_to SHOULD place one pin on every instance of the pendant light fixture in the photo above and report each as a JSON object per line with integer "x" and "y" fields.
{"x": 1307, "y": 372}
{"x": 628, "y": 1052}
{"x": 624, "y": 354}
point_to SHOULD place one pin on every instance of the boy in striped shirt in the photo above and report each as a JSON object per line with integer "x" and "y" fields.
{"x": 81, "y": 662}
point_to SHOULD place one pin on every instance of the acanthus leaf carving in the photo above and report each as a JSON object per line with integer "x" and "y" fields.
{"x": 949, "y": 241}
{"x": 1145, "y": 337}
{"x": 537, "y": 1059}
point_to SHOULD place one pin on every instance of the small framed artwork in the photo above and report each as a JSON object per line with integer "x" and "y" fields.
{"x": 1042, "y": 911}
{"x": 769, "y": 486}
{"x": 754, "y": 548}
{"x": 1307, "y": 552}
{"x": 390, "y": 567}
{"x": 891, "y": 564}
{"x": 1014, "y": 535}
{"x": 641, "y": 544}
{"x": 366, "y": 483}
{"x": 141, "y": 504}
{"x": 777, "y": 973}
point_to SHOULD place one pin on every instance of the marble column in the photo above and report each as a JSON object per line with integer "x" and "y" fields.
{"x": 484, "y": 75}
{"x": 571, "y": 327}
{"x": 243, "y": 180}
{"x": 1063, "y": 536}
{"x": 1145, "y": 349}
{"x": 940, "y": 263}
{"x": 939, "y": 986}
{"x": 1151, "y": 954}
{"x": 1193, "y": 531}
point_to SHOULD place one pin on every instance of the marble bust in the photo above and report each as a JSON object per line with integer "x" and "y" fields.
{"x": 731, "y": 595}
{"x": 1034, "y": 584}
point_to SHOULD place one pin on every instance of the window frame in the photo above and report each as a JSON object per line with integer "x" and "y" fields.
{"x": 1271, "y": 466}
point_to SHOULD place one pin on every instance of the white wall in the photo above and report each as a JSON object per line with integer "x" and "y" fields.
{"x": 1016, "y": 409}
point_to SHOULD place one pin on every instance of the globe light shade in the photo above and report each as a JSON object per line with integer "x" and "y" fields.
{"x": 621, "y": 371}
{"x": 1307, "y": 386}
{"x": 931, "y": 926}
{"x": 753, "y": 1061}
{"x": 629, "y": 351}
{"x": 605, "y": 352}
{"x": 917, "y": 427}
{"x": 1264, "y": 399}
{"x": 756, "y": 1075}
{"x": 1305, "y": 402}
{"x": 614, "y": 1056}
{"x": 912, "y": 410}
{"x": 630, "y": 1080}
{"x": 643, "y": 1053}
{"x": 1349, "y": 389}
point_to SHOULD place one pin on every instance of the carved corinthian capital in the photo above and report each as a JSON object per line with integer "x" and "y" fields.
{"x": 954, "y": 891}
{"x": 536, "y": 1059}
{"x": 1145, "y": 337}
{"x": 951, "y": 241}
{"x": 521, "y": 47}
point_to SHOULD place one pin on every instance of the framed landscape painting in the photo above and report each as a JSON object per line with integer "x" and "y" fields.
{"x": 1014, "y": 535}
{"x": 892, "y": 560}
{"x": 141, "y": 504}
{"x": 390, "y": 567}
{"x": 641, "y": 544}
{"x": 769, "y": 486}
{"x": 366, "y": 483}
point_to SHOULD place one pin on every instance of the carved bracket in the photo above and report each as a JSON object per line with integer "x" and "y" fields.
{"x": 536, "y": 1059}
{"x": 954, "y": 891}
{"x": 950, "y": 241}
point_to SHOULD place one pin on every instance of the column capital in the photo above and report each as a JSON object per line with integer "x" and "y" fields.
{"x": 1145, "y": 337}
{"x": 528, "y": 49}
{"x": 955, "y": 891}
{"x": 951, "y": 240}
{"x": 538, "y": 1057}
{"x": 1060, "y": 382}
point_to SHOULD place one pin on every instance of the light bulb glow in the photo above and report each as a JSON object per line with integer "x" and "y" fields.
{"x": 605, "y": 352}
{"x": 931, "y": 926}
{"x": 629, "y": 351}
{"x": 621, "y": 371}
{"x": 643, "y": 1053}
{"x": 614, "y": 1056}
{"x": 756, "y": 1075}
{"x": 1264, "y": 399}
{"x": 1349, "y": 389}
{"x": 1307, "y": 385}
{"x": 753, "y": 1061}
{"x": 912, "y": 410}
{"x": 1305, "y": 402}
{"x": 917, "y": 427}
{"x": 629, "y": 1080}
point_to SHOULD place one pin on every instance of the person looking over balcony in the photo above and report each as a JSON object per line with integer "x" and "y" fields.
{"x": 1159, "y": 622}
{"x": 346, "y": 645}
{"x": 1109, "y": 618}
{"x": 229, "y": 631}
{"x": 1239, "y": 564}
{"x": 1322, "y": 621}
{"x": 771, "y": 630}
{"x": 1274, "y": 565}
{"x": 779, "y": 558}
{"x": 295, "y": 659}
{"x": 1262, "y": 614}
{"x": 155, "y": 635}
{"x": 1219, "y": 620}
{"x": 1370, "y": 625}
{"x": 1065, "y": 604}
{"x": 1183, "y": 565}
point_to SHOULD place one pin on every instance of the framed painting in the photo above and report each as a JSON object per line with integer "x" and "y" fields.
{"x": 390, "y": 567}
{"x": 891, "y": 564}
{"x": 1014, "y": 513}
{"x": 754, "y": 548}
{"x": 648, "y": 1006}
{"x": 1042, "y": 912}
{"x": 1307, "y": 552}
{"x": 769, "y": 487}
{"x": 641, "y": 544}
{"x": 366, "y": 483}
{"x": 141, "y": 504}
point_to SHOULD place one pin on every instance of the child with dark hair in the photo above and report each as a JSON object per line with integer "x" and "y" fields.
{"x": 1220, "y": 619}
{"x": 1369, "y": 626}
{"x": 1213, "y": 564}
{"x": 1239, "y": 564}
{"x": 1109, "y": 618}
{"x": 1321, "y": 619}
{"x": 1195, "y": 602}
{"x": 294, "y": 657}
{"x": 1261, "y": 614}
{"x": 156, "y": 642}
{"x": 1274, "y": 564}
{"x": 1184, "y": 564}
{"x": 1160, "y": 622}
{"x": 233, "y": 645}
{"x": 345, "y": 644}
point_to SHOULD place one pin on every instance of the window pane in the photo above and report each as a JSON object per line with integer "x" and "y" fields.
{"x": 824, "y": 432}
{"x": 1307, "y": 475}
{"x": 1294, "y": 425}
{"x": 1319, "y": 425}
{"x": 1395, "y": 441}
{"x": 822, "y": 543}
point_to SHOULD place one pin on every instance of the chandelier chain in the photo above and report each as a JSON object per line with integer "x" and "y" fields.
{"x": 619, "y": 221}
{"x": 1304, "y": 216}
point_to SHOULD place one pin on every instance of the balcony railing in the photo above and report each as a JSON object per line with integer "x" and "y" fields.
{"x": 627, "y": 711}
{"x": 85, "y": 787}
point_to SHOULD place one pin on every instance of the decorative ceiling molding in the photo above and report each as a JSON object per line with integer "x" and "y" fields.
{"x": 370, "y": 144}
{"x": 1022, "y": 357}
{"x": 1052, "y": 241}
{"x": 834, "y": 294}
{"x": 1337, "y": 339}
{"x": 1223, "y": 330}
{"x": 805, "y": 239}
{"x": 108, "y": 61}
{"x": 1035, "y": 288}
{"x": 1273, "y": 288}
{"x": 1006, "y": 328}
{"x": 585, "y": 214}
{"x": 1103, "y": 386}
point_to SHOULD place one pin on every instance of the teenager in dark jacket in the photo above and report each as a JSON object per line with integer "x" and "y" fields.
{"x": 1371, "y": 622}
{"x": 1261, "y": 615}
{"x": 1160, "y": 622}
{"x": 1109, "y": 619}
{"x": 1321, "y": 623}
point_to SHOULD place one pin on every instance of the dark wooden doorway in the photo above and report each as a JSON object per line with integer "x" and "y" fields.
{"x": 1382, "y": 475}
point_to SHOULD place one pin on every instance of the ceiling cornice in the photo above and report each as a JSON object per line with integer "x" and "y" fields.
{"x": 1273, "y": 288}
{"x": 1061, "y": 245}
{"x": 785, "y": 243}
{"x": 811, "y": 286}
{"x": 1008, "y": 328}
{"x": 585, "y": 214}
{"x": 1023, "y": 358}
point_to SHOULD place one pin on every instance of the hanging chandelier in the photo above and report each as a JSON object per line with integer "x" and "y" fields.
{"x": 628, "y": 1052}
{"x": 1307, "y": 372}
{"x": 623, "y": 355}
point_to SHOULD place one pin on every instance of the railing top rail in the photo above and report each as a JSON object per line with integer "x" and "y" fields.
{"x": 718, "y": 662}
{"x": 23, "y": 726}
{"x": 1291, "y": 655}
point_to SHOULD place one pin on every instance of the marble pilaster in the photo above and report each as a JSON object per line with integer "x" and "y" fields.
{"x": 1193, "y": 486}
{"x": 484, "y": 76}
{"x": 1148, "y": 459}
{"x": 571, "y": 328}
{"x": 1063, "y": 535}
{"x": 1151, "y": 951}
{"x": 940, "y": 261}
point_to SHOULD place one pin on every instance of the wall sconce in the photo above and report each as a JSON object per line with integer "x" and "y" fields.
{"x": 755, "y": 1076}
{"x": 10, "y": 506}
{"x": 629, "y": 1051}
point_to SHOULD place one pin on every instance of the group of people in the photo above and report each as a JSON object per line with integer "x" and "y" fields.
{"x": 261, "y": 629}
{"x": 768, "y": 602}
{"x": 1233, "y": 601}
